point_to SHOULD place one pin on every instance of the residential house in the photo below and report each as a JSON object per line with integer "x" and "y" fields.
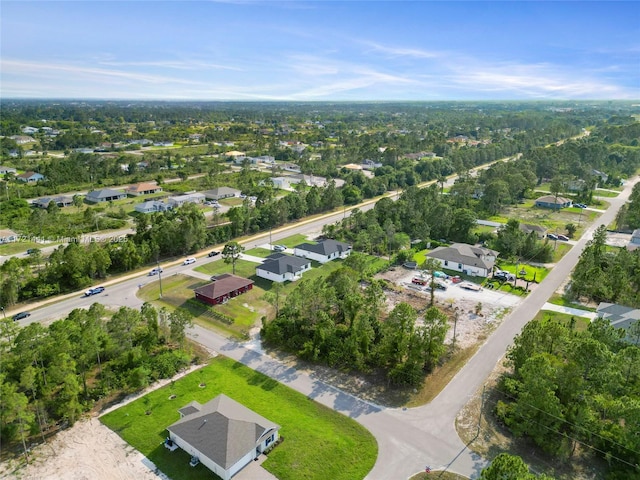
{"x": 280, "y": 267}
{"x": 29, "y": 130}
{"x": 143, "y": 189}
{"x": 60, "y": 200}
{"x": 221, "y": 192}
{"x": 281, "y": 182}
{"x": 468, "y": 259}
{"x": 223, "y": 288}
{"x": 8, "y": 236}
{"x": 539, "y": 230}
{"x": 352, "y": 166}
{"x": 323, "y": 251}
{"x": 291, "y": 167}
{"x": 5, "y": 170}
{"x": 151, "y": 206}
{"x": 105, "y": 195}
{"x": 620, "y": 316}
{"x": 311, "y": 180}
{"x": 22, "y": 139}
{"x": 370, "y": 165}
{"x": 235, "y": 153}
{"x": 551, "y": 201}
{"x": 186, "y": 198}
{"x": 222, "y": 434}
{"x": 30, "y": 177}
{"x": 601, "y": 175}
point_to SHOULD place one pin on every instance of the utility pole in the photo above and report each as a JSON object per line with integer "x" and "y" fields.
{"x": 159, "y": 276}
{"x": 455, "y": 324}
{"x": 481, "y": 408}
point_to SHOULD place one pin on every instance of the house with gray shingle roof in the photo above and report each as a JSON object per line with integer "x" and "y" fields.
{"x": 105, "y": 195}
{"x": 465, "y": 258}
{"x": 280, "y": 267}
{"x": 619, "y": 316}
{"x": 222, "y": 434}
{"x": 323, "y": 251}
{"x": 221, "y": 192}
{"x": 551, "y": 201}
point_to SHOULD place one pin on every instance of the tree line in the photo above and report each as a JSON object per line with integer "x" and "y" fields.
{"x": 51, "y": 375}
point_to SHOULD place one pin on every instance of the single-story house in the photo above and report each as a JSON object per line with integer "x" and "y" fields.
{"x": 186, "y": 198}
{"x": 223, "y": 288}
{"x": 221, "y": 192}
{"x": 311, "y": 180}
{"x": 222, "y": 434}
{"x": 619, "y": 316}
{"x": 29, "y": 130}
{"x": 61, "y": 201}
{"x": 30, "y": 177}
{"x": 151, "y": 206}
{"x": 550, "y": 201}
{"x": 291, "y": 167}
{"x": 597, "y": 173}
{"x": 143, "y": 189}
{"x": 22, "y": 139}
{"x": 280, "y": 267}
{"x": 539, "y": 230}
{"x": 105, "y": 195}
{"x": 281, "y": 183}
{"x": 4, "y": 170}
{"x": 465, "y": 258}
{"x": 8, "y": 236}
{"x": 370, "y": 164}
{"x": 323, "y": 251}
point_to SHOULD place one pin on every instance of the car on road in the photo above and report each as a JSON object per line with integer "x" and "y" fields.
{"x": 279, "y": 248}
{"x": 552, "y": 236}
{"x": 21, "y": 315}
{"x": 563, "y": 238}
{"x": 32, "y": 250}
{"x": 213, "y": 254}
{"x": 189, "y": 261}
{"x": 93, "y": 291}
{"x": 156, "y": 271}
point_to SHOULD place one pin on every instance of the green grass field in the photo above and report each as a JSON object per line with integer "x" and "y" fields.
{"x": 319, "y": 443}
{"x": 580, "y": 323}
{"x": 605, "y": 193}
{"x": 530, "y": 270}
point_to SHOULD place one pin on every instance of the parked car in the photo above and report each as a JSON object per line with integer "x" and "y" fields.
{"x": 504, "y": 275}
{"x": 93, "y": 291}
{"x": 21, "y": 315}
{"x": 564, "y": 238}
{"x": 279, "y": 248}
{"x": 580, "y": 205}
{"x": 156, "y": 271}
{"x": 552, "y": 236}
{"x": 419, "y": 281}
{"x": 189, "y": 261}
{"x": 213, "y": 254}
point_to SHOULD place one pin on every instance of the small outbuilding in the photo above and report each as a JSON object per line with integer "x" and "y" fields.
{"x": 222, "y": 288}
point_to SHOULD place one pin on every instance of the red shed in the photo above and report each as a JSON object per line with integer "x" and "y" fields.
{"x": 223, "y": 288}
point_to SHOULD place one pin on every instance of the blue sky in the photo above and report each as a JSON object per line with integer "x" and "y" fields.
{"x": 327, "y": 50}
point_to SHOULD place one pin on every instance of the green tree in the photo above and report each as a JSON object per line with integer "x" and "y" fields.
{"x": 231, "y": 253}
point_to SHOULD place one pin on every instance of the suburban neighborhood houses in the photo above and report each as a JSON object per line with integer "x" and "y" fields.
{"x": 468, "y": 259}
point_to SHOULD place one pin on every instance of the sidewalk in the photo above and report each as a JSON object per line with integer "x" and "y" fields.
{"x": 570, "y": 311}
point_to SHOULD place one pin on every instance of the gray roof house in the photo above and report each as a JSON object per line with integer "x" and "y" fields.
{"x": 105, "y": 195}
{"x": 550, "y": 201}
{"x": 222, "y": 434}
{"x": 221, "y": 192}
{"x": 61, "y": 201}
{"x": 30, "y": 177}
{"x": 465, "y": 258}
{"x": 539, "y": 230}
{"x": 323, "y": 251}
{"x": 151, "y": 206}
{"x": 4, "y": 170}
{"x": 619, "y": 316}
{"x": 280, "y": 267}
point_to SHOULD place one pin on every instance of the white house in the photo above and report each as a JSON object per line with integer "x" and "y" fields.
{"x": 635, "y": 240}
{"x": 8, "y": 236}
{"x": 105, "y": 195}
{"x": 30, "y": 177}
{"x": 222, "y": 434}
{"x": 5, "y": 170}
{"x": 279, "y": 267}
{"x": 281, "y": 183}
{"x": 465, "y": 258}
{"x": 187, "y": 198}
{"x": 143, "y": 189}
{"x": 323, "y": 251}
{"x": 620, "y": 316}
{"x": 151, "y": 206}
{"x": 222, "y": 192}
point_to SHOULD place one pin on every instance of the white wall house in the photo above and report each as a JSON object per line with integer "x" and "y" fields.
{"x": 465, "y": 258}
{"x": 222, "y": 434}
{"x": 187, "y": 198}
{"x": 279, "y": 267}
{"x": 324, "y": 251}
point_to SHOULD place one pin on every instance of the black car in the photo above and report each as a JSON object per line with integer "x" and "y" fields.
{"x": 20, "y": 316}
{"x": 213, "y": 254}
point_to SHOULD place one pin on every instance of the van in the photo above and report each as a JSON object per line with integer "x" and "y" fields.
{"x": 189, "y": 261}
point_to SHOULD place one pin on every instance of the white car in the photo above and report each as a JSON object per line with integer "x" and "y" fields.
{"x": 156, "y": 271}
{"x": 279, "y": 248}
{"x": 189, "y": 261}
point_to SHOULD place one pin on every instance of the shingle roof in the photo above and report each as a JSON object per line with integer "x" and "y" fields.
{"x": 223, "y": 285}
{"x": 222, "y": 429}
{"x": 618, "y": 315}
{"x": 142, "y": 187}
{"x": 324, "y": 247}
{"x": 465, "y": 254}
{"x": 105, "y": 192}
{"x": 280, "y": 263}
{"x": 552, "y": 199}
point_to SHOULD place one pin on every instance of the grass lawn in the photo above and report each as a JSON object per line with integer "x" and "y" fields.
{"x": 484, "y": 229}
{"x": 605, "y": 193}
{"x": 560, "y": 251}
{"x": 14, "y": 248}
{"x": 420, "y": 256}
{"x": 506, "y": 287}
{"x": 580, "y": 323}
{"x": 439, "y": 475}
{"x": 540, "y": 272}
{"x": 557, "y": 299}
{"x": 259, "y": 252}
{"x": 231, "y": 201}
{"x": 318, "y": 442}
{"x": 294, "y": 240}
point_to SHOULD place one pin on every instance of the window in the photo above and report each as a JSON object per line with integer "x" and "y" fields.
{"x": 446, "y": 263}
{"x": 460, "y": 265}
